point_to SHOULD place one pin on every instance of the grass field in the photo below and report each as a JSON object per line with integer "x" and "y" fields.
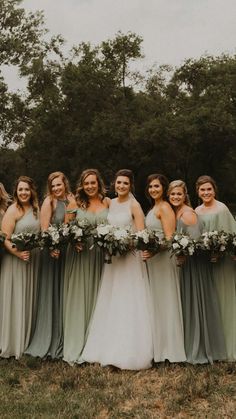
{"x": 31, "y": 388}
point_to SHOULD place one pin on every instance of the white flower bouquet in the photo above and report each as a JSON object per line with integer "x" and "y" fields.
{"x": 113, "y": 240}
{"x": 147, "y": 239}
{"x": 79, "y": 232}
{"x": 181, "y": 245}
{"x": 55, "y": 237}
{"x": 25, "y": 241}
{"x": 214, "y": 242}
{"x": 231, "y": 245}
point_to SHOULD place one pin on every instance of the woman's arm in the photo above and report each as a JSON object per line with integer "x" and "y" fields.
{"x": 138, "y": 215}
{"x": 71, "y": 209}
{"x": 46, "y": 213}
{"x": 167, "y": 217}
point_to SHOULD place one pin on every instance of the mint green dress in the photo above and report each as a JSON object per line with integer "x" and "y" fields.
{"x": 18, "y": 286}
{"x": 168, "y": 331}
{"x": 224, "y": 272}
{"x": 81, "y": 284}
{"x": 203, "y": 328}
{"x": 47, "y": 339}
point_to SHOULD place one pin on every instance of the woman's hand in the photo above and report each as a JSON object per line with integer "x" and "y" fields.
{"x": 55, "y": 253}
{"x": 78, "y": 247}
{"x": 145, "y": 254}
{"x": 24, "y": 255}
{"x": 180, "y": 260}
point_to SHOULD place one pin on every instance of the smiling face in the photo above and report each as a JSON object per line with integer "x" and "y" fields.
{"x": 122, "y": 186}
{"x": 206, "y": 193}
{"x": 177, "y": 196}
{"x": 155, "y": 189}
{"x": 90, "y": 186}
{"x": 58, "y": 188}
{"x": 23, "y": 193}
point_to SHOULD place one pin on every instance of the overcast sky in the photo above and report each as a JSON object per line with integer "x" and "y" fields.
{"x": 172, "y": 30}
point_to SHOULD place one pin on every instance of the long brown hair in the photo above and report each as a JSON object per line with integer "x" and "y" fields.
{"x": 81, "y": 197}
{"x": 33, "y": 198}
{"x": 164, "y": 183}
{"x": 5, "y": 198}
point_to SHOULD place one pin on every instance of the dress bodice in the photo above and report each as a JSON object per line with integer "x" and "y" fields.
{"x": 92, "y": 217}
{"x": 59, "y": 212}
{"x": 153, "y": 222}
{"x": 220, "y": 220}
{"x": 28, "y": 223}
{"x": 120, "y": 214}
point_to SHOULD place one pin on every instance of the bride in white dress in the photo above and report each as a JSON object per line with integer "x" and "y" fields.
{"x": 120, "y": 331}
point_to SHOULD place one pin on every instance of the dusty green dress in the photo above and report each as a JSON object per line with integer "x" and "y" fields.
{"x": 81, "y": 284}
{"x": 224, "y": 272}
{"x": 18, "y": 283}
{"x": 203, "y": 328}
{"x": 47, "y": 339}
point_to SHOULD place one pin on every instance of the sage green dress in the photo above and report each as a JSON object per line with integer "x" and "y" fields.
{"x": 168, "y": 331}
{"x": 203, "y": 328}
{"x": 47, "y": 339}
{"x": 18, "y": 285}
{"x": 81, "y": 284}
{"x": 224, "y": 272}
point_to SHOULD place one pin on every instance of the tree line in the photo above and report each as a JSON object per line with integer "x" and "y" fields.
{"x": 88, "y": 108}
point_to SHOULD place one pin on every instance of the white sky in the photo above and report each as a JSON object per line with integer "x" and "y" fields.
{"x": 173, "y": 30}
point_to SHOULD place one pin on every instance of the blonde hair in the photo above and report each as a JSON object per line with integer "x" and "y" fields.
{"x": 5, "y": 198}
{"x": 180, "y": 184}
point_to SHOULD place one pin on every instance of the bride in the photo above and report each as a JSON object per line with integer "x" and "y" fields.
{"x": 120, "y": 331}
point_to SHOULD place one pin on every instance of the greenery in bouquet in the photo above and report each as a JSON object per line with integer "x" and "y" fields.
{"x": 113, "y": 240}
{"x": 182, "y": 245}
{"x": 147, "y": 239}
{"x": 79, "y": 231}
{"x": 25, "y": 241}
{"x": 55, "y": 237}
{"x": 231, "y": 244}
{"x": 214, "y": 242}
{"x": 2, "y": 238}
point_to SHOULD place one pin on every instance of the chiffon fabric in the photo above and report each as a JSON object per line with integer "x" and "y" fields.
{"x": 224, "y": 273}
{"x": 120, "y": 332}
{"x": 18, "y": 287}
{"x": 81, "y": 284}
{"x": 203, "y": 328}
{"x": 47, "y": 339}
{"x": 167, "y": 320}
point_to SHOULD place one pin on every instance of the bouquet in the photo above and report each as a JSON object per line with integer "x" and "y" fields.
{"x": 25, "y": 241}
{"x": 181, "y": 245}
{"x": 113, "y": 240}
{"x": 79, "y": 232}
{"x": 213, "y": 242}
{"x": 231, "y": 245}
{"x": 2, "y": 238}
{"x": 151, "y": 240}
{"x": 55, "y": 237}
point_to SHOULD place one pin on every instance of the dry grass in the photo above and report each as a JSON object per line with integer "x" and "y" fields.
{"x": 31, "y": 388}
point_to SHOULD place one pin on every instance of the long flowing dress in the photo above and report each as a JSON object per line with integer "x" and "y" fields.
{"x": 120, "y": 332}
{"x": 224, "y": 272}
{"x": 81, "y": 284}
{"x": 47, "y": 339}
{"x": 203, "y": 328}
{"x": 18, "y": 283}
{"x": 167, "y": 317}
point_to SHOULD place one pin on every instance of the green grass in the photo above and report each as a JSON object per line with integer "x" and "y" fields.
{"x": 31, "y": 388}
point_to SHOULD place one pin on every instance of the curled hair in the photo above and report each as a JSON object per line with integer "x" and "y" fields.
{"x": 129, "y": 174}
{"x": 164, "y": 183}
{"x": 81, "y": 197}
{"x": 5, "y": 198}
{"x": 206, "y": 179}
{"x": 33, "y": 197}
{"x": 180, "y": 184}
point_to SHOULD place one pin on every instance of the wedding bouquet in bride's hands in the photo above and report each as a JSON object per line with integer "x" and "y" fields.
{"x": 214, "y": 242}
{"x": 181, "y": 245}
{"x": 147, "y": 239}
{"x": 113, "y": 240}
{"x": 55, "y": 237}
{"x": 25, "y": 241}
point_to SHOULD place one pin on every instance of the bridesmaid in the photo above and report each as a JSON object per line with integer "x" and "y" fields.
{"x": 120, "y": 330}
{"x": 83, "y": 268}
{"x": 203, "y": 330}
{"x": 163, "y": 276}
{"x": 216, "y": 216}
{"x": 18, "y": 280}
{"x": 47, "y": 339}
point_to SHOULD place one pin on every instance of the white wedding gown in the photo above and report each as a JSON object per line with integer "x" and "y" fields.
{"x": 120, "y": 331}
